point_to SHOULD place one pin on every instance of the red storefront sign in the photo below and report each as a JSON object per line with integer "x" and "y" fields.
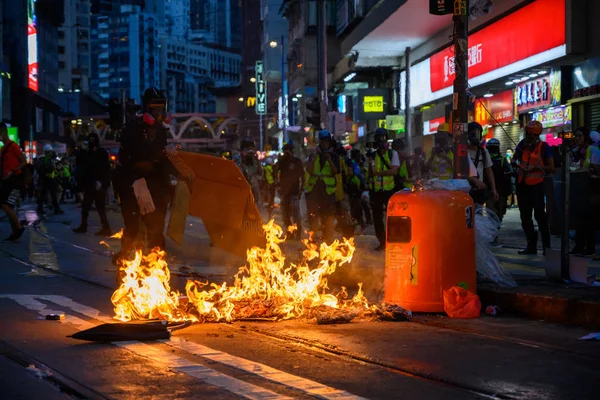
{"x": 496, "y": 109}
{"x": 519, "y": 35}
{"x": 433, "y": 125}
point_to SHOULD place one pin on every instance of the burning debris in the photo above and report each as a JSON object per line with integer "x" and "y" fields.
{"x": 266, "y": 288}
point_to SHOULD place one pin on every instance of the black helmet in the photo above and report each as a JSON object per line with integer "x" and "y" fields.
{"x": 153, "y": 96}
{"x": 247, "y": 143}
{"x": 398, "y": 144}
{"x": 380, "y": 133}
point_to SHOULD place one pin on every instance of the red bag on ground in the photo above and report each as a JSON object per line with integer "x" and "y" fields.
{"x": 461, "y": 303}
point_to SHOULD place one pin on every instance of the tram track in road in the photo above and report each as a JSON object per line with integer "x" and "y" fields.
{"x": 310, "y": 345}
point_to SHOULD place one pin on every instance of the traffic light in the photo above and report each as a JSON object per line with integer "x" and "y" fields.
{"x": 314, "y": 106}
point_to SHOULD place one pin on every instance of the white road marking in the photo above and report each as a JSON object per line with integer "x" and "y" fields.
{"x": 179, "y": 364}
{"x": 314, "y": 388}
{"x": 198, "y": 371}
{"x": 29, "y": 301}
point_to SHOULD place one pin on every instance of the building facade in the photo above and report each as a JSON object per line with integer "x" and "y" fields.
{"x": 74, "y": 57}
{"x": 126, "y": 53}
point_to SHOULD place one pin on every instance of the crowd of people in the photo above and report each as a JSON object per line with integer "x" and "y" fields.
{"x": 349, "y": 190}
{"x": 344, "y": 189}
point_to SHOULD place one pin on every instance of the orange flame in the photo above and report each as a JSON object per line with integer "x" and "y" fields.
{"x": 117, "y": 235}
{"x": 103, "y": 243}
{"x": 266, "y": 287}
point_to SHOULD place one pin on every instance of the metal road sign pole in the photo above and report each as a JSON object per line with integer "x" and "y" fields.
{"x": 322, "y": 61}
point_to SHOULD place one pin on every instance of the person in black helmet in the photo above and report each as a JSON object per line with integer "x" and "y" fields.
{"x": 94, "y": 182}
{"x": 145, "y": 173}
{"x": 290, "y": 173}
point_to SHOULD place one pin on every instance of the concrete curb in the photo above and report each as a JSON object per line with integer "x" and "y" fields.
{"x": 563, "y": 310}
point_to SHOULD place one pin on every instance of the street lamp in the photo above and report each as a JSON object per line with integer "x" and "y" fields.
{"x": 253, "y": 79}
{"x": 273, "y": 44}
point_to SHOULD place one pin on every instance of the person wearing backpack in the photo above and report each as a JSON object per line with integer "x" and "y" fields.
{"x": 502, "y": 177}
{"x": 482, "y": 161}
{"x": 382, "y": 168}
{"x": 12, "y": 162}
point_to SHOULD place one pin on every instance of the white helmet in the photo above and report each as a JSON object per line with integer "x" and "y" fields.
{"x": 48, "y": 147}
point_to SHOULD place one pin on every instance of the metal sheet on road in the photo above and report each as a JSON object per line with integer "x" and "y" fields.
{"x": 311, "y": 387}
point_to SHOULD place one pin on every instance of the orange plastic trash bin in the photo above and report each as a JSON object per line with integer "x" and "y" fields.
{"x": 430, "y": 248}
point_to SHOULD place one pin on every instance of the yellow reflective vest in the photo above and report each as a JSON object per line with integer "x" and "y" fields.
{"x": 440, "y": 168}
{"x": 383, "y": 182}
{"x": 268, "y": 171}
{"x": 403, "y": 173}
{"x": 324, "y": 174}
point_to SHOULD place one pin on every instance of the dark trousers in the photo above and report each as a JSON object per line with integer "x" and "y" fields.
{"x": 531, "y": 200}
{"x": 91, "y": 196}
{"x": 379, "y": 200}
{"x": 154, "y": 221}
{"x": 48, "y": 185}
{"x": 321, "y": 212}
{"x": 290, "y": 208}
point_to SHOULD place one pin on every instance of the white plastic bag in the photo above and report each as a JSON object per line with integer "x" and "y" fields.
{"x": 462, "y": 185}
{"x": 487, "y": 226}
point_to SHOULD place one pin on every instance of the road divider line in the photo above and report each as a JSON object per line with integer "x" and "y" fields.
{"x": 264, "y": 371}
{"x": 179, "y": 364}
{"x": 200, "y": 372}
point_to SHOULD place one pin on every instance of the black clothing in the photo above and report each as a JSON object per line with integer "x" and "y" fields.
{"x": 291, "y": 175}
{"x": 379, "y": 201}
{"x": 95, "y": 167}
{"x": 143, "y": 155}
{"x": 531, "y": 199}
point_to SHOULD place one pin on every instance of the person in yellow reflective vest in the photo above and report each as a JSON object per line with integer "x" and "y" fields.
{"x": 47, "y": 173}
{"x": 440, "y": 160}
{"x": 269, "y": 185}
{"x": 359, "y": 208}
{"x": 383, "y": 166}
{"x": 320, "y": 186}
{"x": 403, "y": 178}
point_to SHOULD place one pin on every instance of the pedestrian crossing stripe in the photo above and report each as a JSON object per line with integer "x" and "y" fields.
{"x": 38, "y": 303}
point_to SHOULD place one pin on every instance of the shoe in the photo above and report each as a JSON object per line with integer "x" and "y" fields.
{"x": 528, "y": 251}
{"x": 381, "y": 247}
{"x": 15, "y": 236}
{"x": 577, "y": 250}
{"x": 81, "y": 229}
{"x": 104, "y": 232}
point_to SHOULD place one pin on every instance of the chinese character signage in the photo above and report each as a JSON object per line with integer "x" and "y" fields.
{"x": 261, "y": 89}
{"x": 373, "y": 104}
{"x": 494, "y": 110}
{"x": 505, "y": 42}
{"x": 538, "y": 93}
{"x": 552, "y": 117}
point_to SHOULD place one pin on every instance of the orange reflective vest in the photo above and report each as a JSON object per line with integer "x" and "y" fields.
{"x": 535, "y": 160}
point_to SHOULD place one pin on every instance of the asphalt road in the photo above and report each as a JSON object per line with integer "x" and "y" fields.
{"x": 53, "y": 270}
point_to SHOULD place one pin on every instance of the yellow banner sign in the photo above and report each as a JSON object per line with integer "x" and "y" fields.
{"x": 373, "y": 104}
